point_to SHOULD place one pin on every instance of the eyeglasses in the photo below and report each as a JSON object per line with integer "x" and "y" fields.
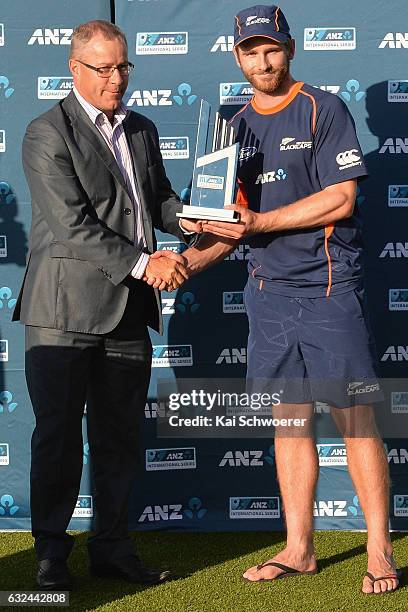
{"x": 107, "y": 71}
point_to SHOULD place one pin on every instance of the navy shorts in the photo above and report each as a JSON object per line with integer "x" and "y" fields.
{"x": 311, "y": 349}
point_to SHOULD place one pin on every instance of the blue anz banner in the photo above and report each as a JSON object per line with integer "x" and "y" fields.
{"x": 182, "y": 52}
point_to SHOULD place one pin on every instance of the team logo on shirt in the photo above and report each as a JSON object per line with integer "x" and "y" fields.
{"x": 271, "y": 176}
{"x": 247, "y": 152}
{"x": 290, "y": 144}
{"x": 348, "y": 159}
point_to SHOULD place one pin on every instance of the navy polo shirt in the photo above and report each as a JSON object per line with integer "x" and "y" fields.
{"x": 287, "y": 153}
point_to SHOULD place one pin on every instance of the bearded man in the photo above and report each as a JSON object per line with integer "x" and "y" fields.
{"x": 299, "y": 164}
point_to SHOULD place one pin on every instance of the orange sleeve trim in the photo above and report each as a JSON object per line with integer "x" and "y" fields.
{"x": 328, "y": 231}
{"x": 275, "y": 109}
{"x": 242, "y": 197}
{"x": 314, "y": 111}
{"x": 240, "y": 111}
{"x": 276, "y": 18}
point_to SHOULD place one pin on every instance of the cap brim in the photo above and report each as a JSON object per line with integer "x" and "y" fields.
{"x": 278, "y": 37}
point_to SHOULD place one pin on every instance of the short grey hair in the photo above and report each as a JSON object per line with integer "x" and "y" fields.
{"x": 86, "y": 31}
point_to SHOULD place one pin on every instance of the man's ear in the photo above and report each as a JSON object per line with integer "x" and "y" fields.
{"x": 73, "y": 66}
{"x": 235, "y": 52}
{"x": 292, "y": 48}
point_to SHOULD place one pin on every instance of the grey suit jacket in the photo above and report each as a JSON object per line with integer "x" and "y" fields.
{"x": 81, "y": 243}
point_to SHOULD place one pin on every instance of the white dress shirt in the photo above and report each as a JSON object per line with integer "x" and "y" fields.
{"x": 115, "y": 137}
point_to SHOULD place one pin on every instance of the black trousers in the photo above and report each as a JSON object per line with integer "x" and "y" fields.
{"x": 111, "y": 373}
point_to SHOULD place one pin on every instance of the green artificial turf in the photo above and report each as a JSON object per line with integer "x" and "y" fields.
{"x": 209, "y": 568}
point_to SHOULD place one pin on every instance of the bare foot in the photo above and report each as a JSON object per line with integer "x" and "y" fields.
{"x": 303, "y": 562}
{"x": 380, "y": 564}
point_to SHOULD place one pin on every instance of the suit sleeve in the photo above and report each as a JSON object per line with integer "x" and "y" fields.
{"x": 70, "y": 216}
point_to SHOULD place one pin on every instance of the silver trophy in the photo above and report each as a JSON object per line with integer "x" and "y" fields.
{"x": 214, "y": 176}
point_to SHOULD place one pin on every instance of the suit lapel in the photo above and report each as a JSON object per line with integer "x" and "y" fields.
{"x": 88, "y": 130}
{"x": 137, "y": 148}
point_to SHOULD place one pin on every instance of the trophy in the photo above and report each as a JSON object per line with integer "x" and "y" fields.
{"x": 214, "y": 175}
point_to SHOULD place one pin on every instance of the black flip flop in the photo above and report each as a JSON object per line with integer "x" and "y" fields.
{"x": 397, "y": 575}
{"x": 288, "y": 572}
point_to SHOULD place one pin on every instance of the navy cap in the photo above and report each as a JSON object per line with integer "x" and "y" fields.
{"x": 261, "y": 20}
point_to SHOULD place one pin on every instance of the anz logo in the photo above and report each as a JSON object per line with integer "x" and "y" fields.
{"x": 223, "y": 44}
{"x": 271, "y": 177}
{"x": 51, "y": 36}
{"x": 163, "y": 97}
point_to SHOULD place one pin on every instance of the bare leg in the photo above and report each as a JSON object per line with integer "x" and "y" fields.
{"x": 368, "y": 468}
{"x": 297, "y": 467}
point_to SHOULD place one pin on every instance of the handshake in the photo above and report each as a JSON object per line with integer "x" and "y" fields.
{"x": 166, "y": 270}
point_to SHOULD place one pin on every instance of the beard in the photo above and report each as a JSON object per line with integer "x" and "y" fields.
{"x": 269, "y": 82}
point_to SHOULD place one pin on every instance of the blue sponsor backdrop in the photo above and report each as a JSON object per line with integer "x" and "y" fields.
{"x": 182, "y": 53}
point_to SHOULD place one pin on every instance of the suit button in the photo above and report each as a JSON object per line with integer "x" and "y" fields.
{"x": 127, "y": 211}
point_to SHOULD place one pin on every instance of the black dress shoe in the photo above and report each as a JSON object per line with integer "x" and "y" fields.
{"x": 130, "y": 569}
{"x": 53, "y": 575}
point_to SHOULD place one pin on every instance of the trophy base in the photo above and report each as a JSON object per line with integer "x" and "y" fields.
{"x": 209, "y": 214}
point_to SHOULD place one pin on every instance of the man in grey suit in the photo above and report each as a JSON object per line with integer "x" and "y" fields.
{"x": 98, "y": 190}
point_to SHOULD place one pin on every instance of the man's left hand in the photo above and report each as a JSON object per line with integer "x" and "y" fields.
{"x": 190, "y": 225}
{"x": 248, "y": 224}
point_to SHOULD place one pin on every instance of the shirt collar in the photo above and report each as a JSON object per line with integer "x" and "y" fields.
{"x": 96, "y": 115}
